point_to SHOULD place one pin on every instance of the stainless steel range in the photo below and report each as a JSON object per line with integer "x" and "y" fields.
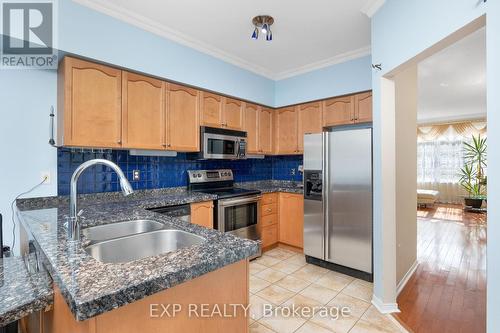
{"x": 237, "y": 209}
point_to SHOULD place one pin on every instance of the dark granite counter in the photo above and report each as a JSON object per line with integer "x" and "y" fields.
{"x": 91, "y": 287}
{"x": 271, "y": 186}
{"x": 21, "y": 291}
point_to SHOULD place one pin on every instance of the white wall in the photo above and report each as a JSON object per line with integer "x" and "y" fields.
{"x": 26, "y": 97}
{"x": 402, "y": 30}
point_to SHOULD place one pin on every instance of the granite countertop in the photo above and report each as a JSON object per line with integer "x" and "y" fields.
{"x": 22, "y": 292}
{"x": 271, "y": 186}
{"x": 90, "y": 287}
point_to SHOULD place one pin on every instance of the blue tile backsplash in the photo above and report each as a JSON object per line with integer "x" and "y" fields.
{"x": 161, "y": 172}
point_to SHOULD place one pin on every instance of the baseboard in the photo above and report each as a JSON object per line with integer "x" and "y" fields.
{"x": 406, "y": 277}
{"x": 384, "y": 308}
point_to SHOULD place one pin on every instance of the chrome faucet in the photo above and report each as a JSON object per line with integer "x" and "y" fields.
{"x": 73, "y": 220}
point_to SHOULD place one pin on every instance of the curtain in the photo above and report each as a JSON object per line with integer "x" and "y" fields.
{"x": 440, "y": 157}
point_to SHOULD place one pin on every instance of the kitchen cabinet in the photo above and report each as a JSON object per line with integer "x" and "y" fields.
{"x": 269, "y": 219}
{"x": 89, "y": 99}
{"x": 363, "y": 107}
{"x": 265, "y": 131}
{"x": 348, "y": 110}
{"x": 338, "y": 111}
{"x": 202, "y": 213}
{"x": 221, "y": 112}
{"x": 183, "y": 122}
{"x": 251, "y": 126}
{"x": 211, "y": 109}
{"x": 291, "y": 219}
{"x": 232, "y": 114}
{"x": 286, "y": 131}
{"x": 309, "y": 121}
{"x": 143, "y": 112}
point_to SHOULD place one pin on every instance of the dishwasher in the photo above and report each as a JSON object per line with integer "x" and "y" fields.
{"x": 182, "y": 212}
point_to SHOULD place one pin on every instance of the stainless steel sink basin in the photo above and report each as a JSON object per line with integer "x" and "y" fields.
{"x": 120, "y": 229}
{"x": 140, "y": 246}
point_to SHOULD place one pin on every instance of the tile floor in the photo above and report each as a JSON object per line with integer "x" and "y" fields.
{"x": 283, "y": 278}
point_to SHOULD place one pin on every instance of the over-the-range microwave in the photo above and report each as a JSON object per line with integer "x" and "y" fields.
{"x": 219, "y": 143}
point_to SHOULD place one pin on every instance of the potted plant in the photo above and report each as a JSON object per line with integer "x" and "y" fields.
{"x": 472, "y": 176}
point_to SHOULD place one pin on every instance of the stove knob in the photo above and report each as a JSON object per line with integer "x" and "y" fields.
{"x": 199, "y": 175}
{"x": 195, "y": 175}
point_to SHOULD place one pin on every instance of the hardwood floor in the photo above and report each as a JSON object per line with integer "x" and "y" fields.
{"x": 447, "y": 293}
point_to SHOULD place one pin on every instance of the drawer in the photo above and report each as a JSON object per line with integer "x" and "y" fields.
{"x": 269, "y": 235}
{"x": 269, "y": 209}
{"x": 269, "y": 220}
{"x": 269, "y": 198}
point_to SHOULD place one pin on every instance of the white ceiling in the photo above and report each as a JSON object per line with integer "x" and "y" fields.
{"x": 306, "y": 34}
{"x": 452, "y": 83}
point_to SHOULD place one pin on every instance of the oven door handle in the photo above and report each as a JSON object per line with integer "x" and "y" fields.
{"x": 234, "y": 202}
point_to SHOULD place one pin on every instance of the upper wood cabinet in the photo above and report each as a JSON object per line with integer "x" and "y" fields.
{"x": 143, "y": 111}
{"x": 363, "y": 107}
{"x": 232, "y": 113}
{"x": 309, "y": 121}
{"x": 286, "y": 131}
{"x": 89, "y": 101}
{"x": 221, "y": 112}
{"x": 291, "y": 217}
{"x": 265, "y": 131}
{"x": 183, "y": 123}
{"x": 251, "y": 126}
{"x": 211, "y": 109}
{"x": 338, "y": 111}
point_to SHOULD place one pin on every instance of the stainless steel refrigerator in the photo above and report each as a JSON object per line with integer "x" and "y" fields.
{"x": 338, "y": 200}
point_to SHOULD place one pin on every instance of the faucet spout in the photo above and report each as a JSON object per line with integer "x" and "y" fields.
{"x": 73, "y": 223}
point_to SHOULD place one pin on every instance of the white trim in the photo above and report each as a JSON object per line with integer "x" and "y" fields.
{"x": 406, "y": 277}
{"x": 146, "y": 24}
{"x": 340, "y": 58}
{"x": 371, "y": 7}
{"x": 384, "y": 308}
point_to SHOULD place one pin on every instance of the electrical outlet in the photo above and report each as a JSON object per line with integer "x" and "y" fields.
{"x": 136, "y": 175}
{"x": 292, "y": 171}
{"x": 45, "y": 175}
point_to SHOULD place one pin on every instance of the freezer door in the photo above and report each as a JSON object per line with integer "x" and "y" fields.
{"x": 349, "y": 198}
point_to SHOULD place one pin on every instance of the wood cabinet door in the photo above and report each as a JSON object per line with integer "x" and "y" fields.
{"x": 143, "y": 112}
{"x": 202, "y": 213}
{"x": 211, "y": 109}
{"x": 91, "y": 100}
{"x": 309, "y": 121}
{"x": 286, "y": 131}
{"x": 251, "y": 126}
{"x": 265, "y": 131}
{"x": 291, "y": 219}
{"x": 183, "y": 123}
{"x": 363, "y": 107}
{"x": 338, "y": 111}
{"x": 232, "y": 113}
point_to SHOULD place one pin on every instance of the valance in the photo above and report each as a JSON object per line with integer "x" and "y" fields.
{"x": 464, "y": 129}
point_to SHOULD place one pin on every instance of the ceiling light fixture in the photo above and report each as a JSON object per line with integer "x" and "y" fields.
{"x": 262, "y": 23}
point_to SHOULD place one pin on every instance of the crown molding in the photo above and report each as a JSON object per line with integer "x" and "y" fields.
{"x": 340, "y": 58}
{"x": 146, "y": 24}
{"x": 371, "y": 7}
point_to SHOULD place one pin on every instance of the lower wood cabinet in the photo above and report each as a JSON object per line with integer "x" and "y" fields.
{"x": 291, "y": 216}
{"x": 269, "y": 219}
{"x": 269, "y": 235}
{"x": 202, "y": 213}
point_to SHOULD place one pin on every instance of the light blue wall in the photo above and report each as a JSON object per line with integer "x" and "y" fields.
{"x": 348, "y": 77}
{"x": 400, "y": 31}
{"x": 25, "y": 100}
{"x": 88, "y": 33}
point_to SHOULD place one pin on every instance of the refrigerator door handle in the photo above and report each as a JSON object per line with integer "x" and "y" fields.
{"x": 325, "y": 188}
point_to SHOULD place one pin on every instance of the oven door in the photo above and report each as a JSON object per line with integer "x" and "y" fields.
{"x": 239, "y": 216}
{"x": 220, "y": 146}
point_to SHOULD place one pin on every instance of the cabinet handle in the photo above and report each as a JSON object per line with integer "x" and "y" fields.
{"x": 269, "y": 210}
{"x": 164, "y": 144}
{"x": 168, "y": 145}
{"x": 119, "y": 141}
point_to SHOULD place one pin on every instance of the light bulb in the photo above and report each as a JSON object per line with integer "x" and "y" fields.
{"x": 264, "y": 28}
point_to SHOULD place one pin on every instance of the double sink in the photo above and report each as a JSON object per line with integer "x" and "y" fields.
{"x": 136, "y": 239}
